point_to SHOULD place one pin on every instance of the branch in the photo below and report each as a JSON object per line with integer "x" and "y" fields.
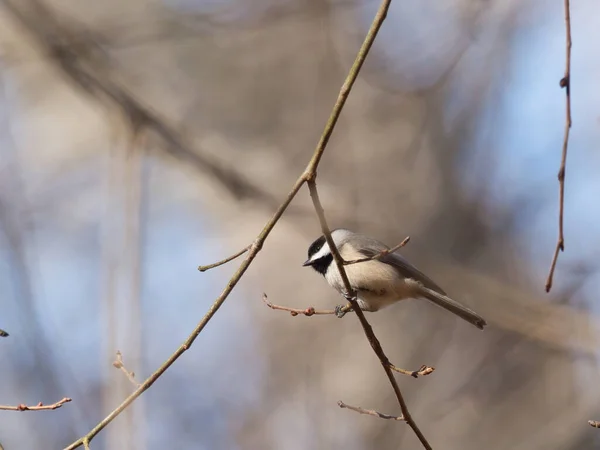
{"x": 39, "y": 407}
{"x": 565, "y": 82}
{"x": 118, "y": 363}
{"x": 351, "y": 297}
{"x": 253, "y": 251}
{"x": 310, "y": 311}
{"x": 423, "y": 371}
{"x": 224, "y": 261}
{"x": 308, "y": 174}
{"x": 370, "y": 412}
{"x": 381, "y": 254}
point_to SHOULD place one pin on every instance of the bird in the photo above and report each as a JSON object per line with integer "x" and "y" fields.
{"x": 381, "y": 281}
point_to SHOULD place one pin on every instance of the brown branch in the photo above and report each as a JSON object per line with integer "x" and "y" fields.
{"x": 308, "y": 174}
{"x": 310, "y": 311}
{"x": 39, "y": 407}
{"x": 370, "y": 412}
{"x": 423, "y": 371}
{"x": 565, "y": 82}
{"x": 381, "y": 254}
{"x": 118, "y": 363}
{"x": 594, "y": 423}
{"x": 351, "y": 297}
{"x": 224, "y": 261}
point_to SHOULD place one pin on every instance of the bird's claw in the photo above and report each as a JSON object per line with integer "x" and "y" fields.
{"x": 340, "y": 311}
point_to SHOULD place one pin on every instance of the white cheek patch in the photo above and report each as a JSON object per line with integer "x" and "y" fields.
{"x": 324, "y": 251}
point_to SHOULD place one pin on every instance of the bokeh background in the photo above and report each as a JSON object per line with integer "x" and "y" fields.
{"x": 140, "y": 139}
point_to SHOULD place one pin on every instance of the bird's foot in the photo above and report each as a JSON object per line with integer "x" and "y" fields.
{"x": 341, "y": 310}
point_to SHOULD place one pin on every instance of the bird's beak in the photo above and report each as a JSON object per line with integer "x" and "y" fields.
{"x": 308, "y": 262}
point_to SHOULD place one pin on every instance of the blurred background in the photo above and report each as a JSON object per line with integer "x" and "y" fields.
{"x": 140, "y": 139}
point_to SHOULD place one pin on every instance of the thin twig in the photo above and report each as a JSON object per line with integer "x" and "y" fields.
{"x": 39, "y": 407}
{"x": 370, "y": 412}
{"x": 351, "y": 297}
{"x": 381, "y": 254}
{"x": 224, "y": 261}
{"x": 309, "y": 173}
{"x": 594, "y": 423}
{"x": 565, "y": 83}
{"x": 423, "y": 371}
{"x": 310, "y": 311}
{"x": 118, "y": 363}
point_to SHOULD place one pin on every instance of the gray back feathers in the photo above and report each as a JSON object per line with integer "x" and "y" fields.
{"x": 371, "y": 247}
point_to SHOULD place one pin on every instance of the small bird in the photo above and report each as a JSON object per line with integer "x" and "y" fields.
{"x": 381, "y": 281}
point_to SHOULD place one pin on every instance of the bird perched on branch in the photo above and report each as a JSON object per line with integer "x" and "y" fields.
{"x": 379, "y": 277}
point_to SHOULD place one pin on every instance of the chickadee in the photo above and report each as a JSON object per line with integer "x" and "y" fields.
{"x": 379, "y": 282}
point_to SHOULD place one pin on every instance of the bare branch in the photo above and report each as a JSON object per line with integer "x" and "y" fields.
{"x": 370, "y": 412}
{"x": 351, "y": 297}
{"x": 310, "y": 311}
{"x": 565, "y": 82}
{"x": 423, "y": 371}
{"x": 308, "y": 175}
{"x": 39, "y": 407}
{"x": 224, "y": 261}
{"x": 381, "y": 254}
{"x": 118, "y": 363}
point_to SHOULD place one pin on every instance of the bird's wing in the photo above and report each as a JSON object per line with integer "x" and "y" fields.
{"x": 403, "y": 266}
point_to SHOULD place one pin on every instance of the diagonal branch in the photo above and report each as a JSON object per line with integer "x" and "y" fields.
{"x": 224, "y": 261}
{"x": 565, "y": 82}
{"x": 351, "y": 297}
{"x": 308, "y": 174}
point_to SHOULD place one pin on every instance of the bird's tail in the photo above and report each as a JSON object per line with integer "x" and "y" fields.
{"x": 453, "y": 306}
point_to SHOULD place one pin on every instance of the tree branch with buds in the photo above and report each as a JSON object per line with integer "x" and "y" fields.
{"x": 565, "y": 82}
{"x": 39, "y": 407}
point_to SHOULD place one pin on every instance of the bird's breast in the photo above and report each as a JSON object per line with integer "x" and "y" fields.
{"x": 376, "y": 283}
